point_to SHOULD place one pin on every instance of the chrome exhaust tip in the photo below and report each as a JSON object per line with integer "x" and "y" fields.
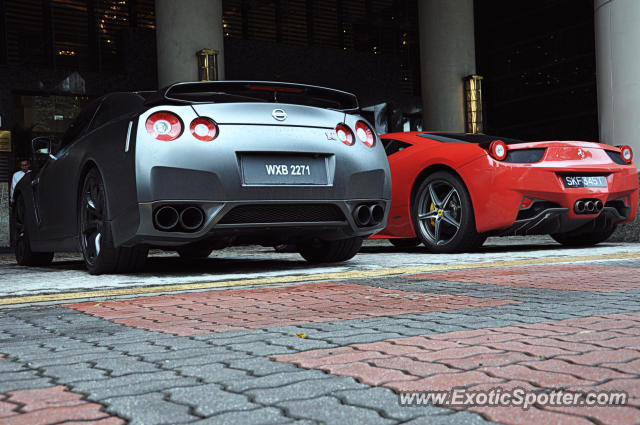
{"x": 362, "y": 215}
{"x": 191, "y": 218}
{"x": 589, "y": 206}
{"x": 377, "y": 214}
{"x": 579, "y": 207}
{"x": 599, "y": 205}
{"x": 166, "y": 218}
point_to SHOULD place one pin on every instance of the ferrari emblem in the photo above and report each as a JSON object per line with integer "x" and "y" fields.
{"x": 580, "y": 154}
{"x": 440, "y": 212}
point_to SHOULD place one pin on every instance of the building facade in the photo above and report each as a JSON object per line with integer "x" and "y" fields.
{"x": 537, "y": 59}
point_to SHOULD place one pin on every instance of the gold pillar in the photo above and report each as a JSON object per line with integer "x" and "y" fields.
{"x": 207, "y": 65}
{"x": 473, "y": 104}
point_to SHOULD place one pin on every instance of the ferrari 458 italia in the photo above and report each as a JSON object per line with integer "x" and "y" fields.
{"x": 200, "y": 166}
{"x": 452, "y": 191}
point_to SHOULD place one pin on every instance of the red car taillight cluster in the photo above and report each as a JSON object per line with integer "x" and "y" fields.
{"x": 345, "y": 135}
{"x": 167, "y": 126}
{"x": 364, "y": 133}
{"x": 626, "y": 153}
{"x": 204, "y": 129}
{"x": 498, "y": 149}
{"x": 164, "y": 126}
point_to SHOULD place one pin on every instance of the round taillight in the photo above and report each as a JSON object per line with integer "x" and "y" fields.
{"x": 365, "y": 134}
{"x": 498, "y": 150}
{"x": 627, "y": 154}
{"x": 345, "y": 135}
{"x": 204, "y": 129}
{"x": 164, "y": 126}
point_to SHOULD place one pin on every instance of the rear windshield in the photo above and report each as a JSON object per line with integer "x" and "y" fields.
{"x": 467, "y": 138}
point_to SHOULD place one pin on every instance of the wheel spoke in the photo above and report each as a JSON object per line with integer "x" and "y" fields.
{"x": 97, "y": 243}
{"x": 91, "y": 206}
{"x": 449, "y": 219}
{"x": 436, "y": 232}
{"x": 428, "y": 215}
{"x": 448, "y": 198}
{"x": 91, "y": 226}
{"x": 434, "y": 196}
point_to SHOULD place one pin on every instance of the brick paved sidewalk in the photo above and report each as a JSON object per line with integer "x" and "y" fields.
{"x": 331, "y": 352}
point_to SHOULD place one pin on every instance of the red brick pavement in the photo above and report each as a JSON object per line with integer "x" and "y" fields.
{"x": 50, "y": 406}
{"x": 593, "y": 353}
{"x": 567, "y": 277}
{"x": 220, "y": 311}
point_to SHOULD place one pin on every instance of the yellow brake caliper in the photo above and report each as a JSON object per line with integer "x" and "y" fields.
{"x": 433, "y": 220}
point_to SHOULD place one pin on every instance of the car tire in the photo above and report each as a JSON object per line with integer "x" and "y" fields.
{"x": 96, "y": 241}
{"x": 24, "y": 255}
{"x": 194, "y": 252}
{"x": 442, "y": 215}
{"x": 590, "y": 238}
{"x": 321, "y": 251}
{"x": 405, "y": 242}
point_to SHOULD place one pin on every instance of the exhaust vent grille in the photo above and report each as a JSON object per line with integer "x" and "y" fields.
{"x": 287, "y": 213}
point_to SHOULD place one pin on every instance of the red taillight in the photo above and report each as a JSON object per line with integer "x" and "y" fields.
{"x": 626, "y": 153}
{"x": 365, "y": 134}
{"x": 204, "y": 129}
{"x": 498, "y": 150}
{"x": 165, "y": 126}
{"x": 345, "y": 135}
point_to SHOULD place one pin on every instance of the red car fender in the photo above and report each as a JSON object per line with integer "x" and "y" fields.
{"x": 416, "y": 162}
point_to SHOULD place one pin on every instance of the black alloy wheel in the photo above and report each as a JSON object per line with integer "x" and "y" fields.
{"x": 442, "y": 215}
{"x": 96, "y": 242}
{"x": 92, "y": 217}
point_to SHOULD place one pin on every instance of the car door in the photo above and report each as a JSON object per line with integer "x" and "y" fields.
{"x": 55, "y": 185}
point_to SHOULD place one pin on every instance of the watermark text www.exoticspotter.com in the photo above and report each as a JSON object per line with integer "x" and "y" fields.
{"x": 518, "y": 397}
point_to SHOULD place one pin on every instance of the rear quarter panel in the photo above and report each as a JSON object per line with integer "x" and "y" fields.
{"x": 411, "y": 165}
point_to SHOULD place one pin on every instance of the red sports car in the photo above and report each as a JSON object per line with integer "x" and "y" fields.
{"x": 452, "y": 191}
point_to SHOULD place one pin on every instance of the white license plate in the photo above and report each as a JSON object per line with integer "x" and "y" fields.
{"x": 585, "y": 181}
{"x": 284, "y": 170}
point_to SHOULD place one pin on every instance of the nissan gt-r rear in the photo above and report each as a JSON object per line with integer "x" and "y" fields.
{"x": 201, "y": 166}
{"x": 452, "y": 191}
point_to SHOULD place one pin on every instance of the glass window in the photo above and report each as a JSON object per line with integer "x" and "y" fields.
{"x": 116, "y": 105}
{"x": 392, "y": 146}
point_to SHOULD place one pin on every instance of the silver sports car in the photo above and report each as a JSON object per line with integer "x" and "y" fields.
{"x": 205, "y": 165}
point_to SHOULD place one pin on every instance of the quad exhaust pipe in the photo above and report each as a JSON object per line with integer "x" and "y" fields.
{"x": 588, "y": 206}
{"x": 368, "y": 215}
{"x": 167, "y": 218}
{"x": 191, "y": 218}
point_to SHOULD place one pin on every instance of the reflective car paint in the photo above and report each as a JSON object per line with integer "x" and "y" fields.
{"x": 140, "y": 173}
{"x": 497, "y": 188}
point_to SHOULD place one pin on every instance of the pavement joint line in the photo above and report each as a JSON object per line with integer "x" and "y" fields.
{"x": 359, "y": 274}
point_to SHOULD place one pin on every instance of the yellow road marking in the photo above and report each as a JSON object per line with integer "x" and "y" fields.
{"x": 303, "y": 278}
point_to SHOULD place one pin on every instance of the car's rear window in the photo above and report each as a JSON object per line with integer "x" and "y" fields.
{"x": 467, "y": 138}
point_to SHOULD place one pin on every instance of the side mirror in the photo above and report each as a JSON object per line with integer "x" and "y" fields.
{"x": 43, "y": 145}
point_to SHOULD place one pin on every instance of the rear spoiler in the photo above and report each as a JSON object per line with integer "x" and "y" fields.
{"x": 254, "y": 91}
